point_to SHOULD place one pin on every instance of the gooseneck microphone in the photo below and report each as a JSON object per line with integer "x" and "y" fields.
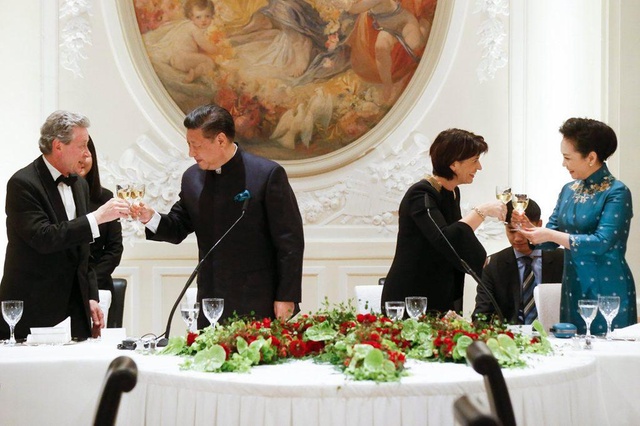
{"x": 428, "y": 206}
{"x": 163, "y": 339}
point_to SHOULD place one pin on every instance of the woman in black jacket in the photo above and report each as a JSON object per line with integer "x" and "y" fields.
{"x": 424, "y": 264}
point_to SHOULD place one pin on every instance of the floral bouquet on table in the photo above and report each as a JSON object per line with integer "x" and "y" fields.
{"x": 363, "y": 346}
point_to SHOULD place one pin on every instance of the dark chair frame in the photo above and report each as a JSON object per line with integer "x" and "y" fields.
{"x": 469, "y": 413}
{"x": 121, "y": 376}
{"x": 116, "y": 311}
{"x": 482, "y": 360}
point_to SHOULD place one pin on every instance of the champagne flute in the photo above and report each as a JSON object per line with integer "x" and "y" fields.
{"x": 520, "y": 203}
{"x": 394, "y": 309}
{"x": 12, "y": 312}
{"x": 503, "y": 194}
{"x": 416, "y": 306}
{"x": 189, "y": 312}
{"x": 609, "y": 307}
{"x": 213, "y": 308}
{"x": 588, "y": 311}
{"x": 123, "y": 191}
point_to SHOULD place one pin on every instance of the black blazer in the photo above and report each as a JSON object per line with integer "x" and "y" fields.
{"x": 46, "y": 253}
{"x": 502, "y": 278}
{"x": 106, "y": 250}
{"x": 260, "y": 260}
{"x": 424, "y": 264}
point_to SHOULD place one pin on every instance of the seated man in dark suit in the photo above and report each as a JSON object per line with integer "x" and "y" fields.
{"x": 511, "y": 274}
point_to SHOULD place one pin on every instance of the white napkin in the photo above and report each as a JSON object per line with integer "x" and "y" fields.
{"x": 58, "y": 334}
{"x": 630, "y": 332}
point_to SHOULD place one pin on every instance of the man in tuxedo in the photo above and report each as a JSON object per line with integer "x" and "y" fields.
{"x": 506, "y": 272}
{"x": 257, "y": 267}
{"x": 49, "y": 229}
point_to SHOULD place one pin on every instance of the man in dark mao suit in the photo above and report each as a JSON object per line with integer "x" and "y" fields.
{"x": 49, "y": 231}
{"x": 503, "y": 272}
{"x": 257, "y": 268}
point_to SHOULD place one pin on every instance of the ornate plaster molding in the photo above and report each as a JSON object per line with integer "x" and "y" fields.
{"x": 75, "y": 34}
{"x": 492, "y": 37}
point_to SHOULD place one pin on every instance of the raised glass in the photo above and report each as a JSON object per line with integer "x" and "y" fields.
{"x": 394, "y": 309}
{"x": 416, "y": 306}
{"x": 609, "y": 307}
{"x": 213, "y": 308}
{"x": 12, "y": 312}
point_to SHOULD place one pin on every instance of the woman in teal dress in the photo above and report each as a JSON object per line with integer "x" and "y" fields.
{"x": 591, "y": 220}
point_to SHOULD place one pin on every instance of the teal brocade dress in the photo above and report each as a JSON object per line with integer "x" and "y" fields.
{"x": 596, "y": 213}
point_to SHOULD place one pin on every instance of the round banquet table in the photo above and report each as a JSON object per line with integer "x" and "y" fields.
{"x": 61, "y": 384}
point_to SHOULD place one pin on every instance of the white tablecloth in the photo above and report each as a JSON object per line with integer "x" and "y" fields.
{"x": 60, "y": 385}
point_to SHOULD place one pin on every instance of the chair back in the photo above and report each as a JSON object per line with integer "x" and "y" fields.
{"x": 105, "y": 303}
{"x": 468, "y": 413}
{"x": 116, "y": 313}
{"x": 122, "y": 376}
{"x": 368, "y": 298}
{"x": 547, "y": 298}
{"x": 482, "y": 360}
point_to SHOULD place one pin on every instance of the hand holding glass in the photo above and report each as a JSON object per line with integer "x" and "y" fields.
{"x": 213, "y": 308}
{"x": 588, "y": 311}
{"x": 609, "y": 307}
{"x": 189, "y": 312}
{"x": 394, "y": 309}
{"x": 416, "y": 306}
{"x": 12, "y": 312}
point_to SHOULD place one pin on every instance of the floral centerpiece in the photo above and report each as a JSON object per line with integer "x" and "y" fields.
{"x": 363, "y": 346}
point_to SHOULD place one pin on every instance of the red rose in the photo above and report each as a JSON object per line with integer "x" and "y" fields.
{"x": 297, "y": 348}
{"x": 191, "y": 337}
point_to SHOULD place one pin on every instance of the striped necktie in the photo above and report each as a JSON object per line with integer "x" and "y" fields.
{"x": 529, "y": 312}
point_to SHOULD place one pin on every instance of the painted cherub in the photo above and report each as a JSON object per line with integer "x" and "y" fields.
{"x": 185, "y": 45}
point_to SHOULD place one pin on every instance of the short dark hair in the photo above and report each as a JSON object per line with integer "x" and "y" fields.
{"x": 453, "y": 145}
{"x": 532, "y": 211}
{"x": 590, "y": 135}
{"x": 212, "y": 119}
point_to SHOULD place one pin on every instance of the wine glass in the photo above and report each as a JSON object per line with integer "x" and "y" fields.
{"x": 609, "y": 307}
{"x": 503, "y": 193}
{"x": 520, "y": 203}
{"x": 189, "y": 312}
{"x": 124, "y": 191}
{"x": 394, "y": 309}
{"x": 212, "y": 308}
{"x": 415, "y": 305}
{"x": 588, "y": 311}
{"x": 137, "y": 193}
{"x": 12, "y": 312}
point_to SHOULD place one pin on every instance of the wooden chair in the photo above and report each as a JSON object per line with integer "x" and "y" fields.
{"x": 468, "y": 413}
{"x": 122, "y": 376}
{"x": 482, "y": 360}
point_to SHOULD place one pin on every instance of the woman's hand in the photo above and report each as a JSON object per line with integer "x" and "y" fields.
{"x": 495, "y": 209}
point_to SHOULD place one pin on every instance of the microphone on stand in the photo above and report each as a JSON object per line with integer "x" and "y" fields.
{"x": 465, "y": 265}
{"x": 163, "y": 339}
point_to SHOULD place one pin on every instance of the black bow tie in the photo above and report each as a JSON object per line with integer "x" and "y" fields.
{"x": 68, "y": 180}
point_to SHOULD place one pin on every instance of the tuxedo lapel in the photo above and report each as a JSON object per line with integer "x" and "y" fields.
{"x": 51, "y": 189}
